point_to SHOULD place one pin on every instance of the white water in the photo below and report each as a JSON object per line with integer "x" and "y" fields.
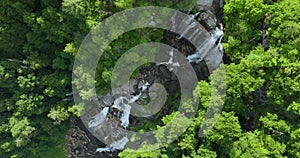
{"x": 193, "y": 16}
{"x": 152, "y": 22}
{"x": 106, "y": 149}
{"x": 189, "y": 25}
{"x": 124, "y": 108}
{"x": 123, "y": 105}
{"x": 136, "y": 97}
{"x": 207, "y": 49}
{"x": 145, "y": 86}
{"x": 99, "y": 118}
{"x": 188, "y": 29}
{"x": 118, "y": 145}
{"x": 171, "y": 64}
{"x": 196, "y": 34}
{"x": 118, "y": 102}
{"x": 210, "y": 50}
{"x": 125, "y": 115}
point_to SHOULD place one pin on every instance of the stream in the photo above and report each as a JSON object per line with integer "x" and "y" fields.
{"x": 205, "y": 57}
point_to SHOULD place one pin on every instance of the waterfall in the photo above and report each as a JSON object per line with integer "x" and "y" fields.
{"x": 193, "y": 16}
{"x": 122, "y": 104}
{"x": 99, "y": 118}
{"x": 209, "y": 48}
{"x": 125, "y": 115}
{"x": 119, "y": 145}
{"x": 171, "y": 64}
{"x": 189, "y": 23}
{"x": 188, "y": 29}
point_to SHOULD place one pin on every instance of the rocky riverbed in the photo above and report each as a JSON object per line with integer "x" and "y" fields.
{"x": 81, "y": 143}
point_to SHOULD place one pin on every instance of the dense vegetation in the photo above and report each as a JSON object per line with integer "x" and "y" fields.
{"x": 39, "y": 40}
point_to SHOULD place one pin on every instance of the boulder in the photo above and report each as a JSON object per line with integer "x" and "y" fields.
{"x": 207, "y": 3}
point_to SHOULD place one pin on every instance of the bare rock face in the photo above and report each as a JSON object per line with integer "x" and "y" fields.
{"x": 207, "y": 3}
{"x": 186, "y": 48}
{"x": 81, "y": 144}
{"x": 208, "y": 19}
{"x": 210, "y": 13}
{"x": 264, "y": 37}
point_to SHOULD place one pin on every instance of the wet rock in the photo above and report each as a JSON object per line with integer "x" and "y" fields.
{"x": 81, "y": 144}
{"x": 264, "y": 37}
{"x": 207, "y": 3}
{"x": 208, "y": 19}
{"x": 210, "y": 13}
{"x": 137, "y": 91}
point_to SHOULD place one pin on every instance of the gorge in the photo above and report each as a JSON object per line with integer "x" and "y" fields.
{"x": 204, "y": 57}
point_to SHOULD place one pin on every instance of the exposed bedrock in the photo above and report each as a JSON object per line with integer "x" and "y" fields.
{"x": 204, "y": 58}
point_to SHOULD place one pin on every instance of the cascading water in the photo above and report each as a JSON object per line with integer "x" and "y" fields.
{"x": 171, "y": 64}
{"x": 99, "y": 118}
{"x": 190, "y": 23}
{"x": 118, "y": 145}
{"x": 208, "y": 46}
{"x": 208, "y": 49}
{"x": 122, "y": 104}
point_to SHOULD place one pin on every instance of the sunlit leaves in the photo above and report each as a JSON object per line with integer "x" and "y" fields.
{"x": 295, "y": 106}
{"x": 242, "y": 31}
{"x": 226, "y": 128}
{"x": 26, "y": 82}
{"x": 58, "y": 114}
{"x": 20, "y": 130}
{"x": 73, "y": 6}
{"x": 70, "y": 48}
{"x": 204, "y": 153}
{"x": 256, "y": 145}
{"x": 27, "y": 104}
{"x": 271, "y": 122}
{"x": 125, "y": 4}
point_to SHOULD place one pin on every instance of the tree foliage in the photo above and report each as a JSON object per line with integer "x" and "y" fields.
{"x": 40, "y": 38}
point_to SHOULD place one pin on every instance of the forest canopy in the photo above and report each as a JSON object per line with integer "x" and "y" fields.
{"x": 39, "y": 40}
